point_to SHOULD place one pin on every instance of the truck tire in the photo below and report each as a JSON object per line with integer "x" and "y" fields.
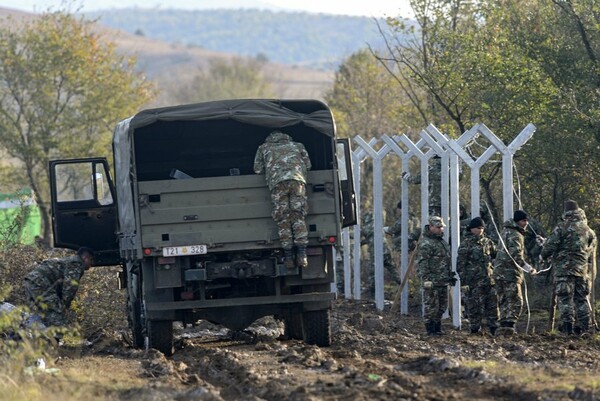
{"x": 160, "y": 336}
{"x": 317, "y": 327}
{"x": 134, "y": 318}
{"x": 293, "y": 326}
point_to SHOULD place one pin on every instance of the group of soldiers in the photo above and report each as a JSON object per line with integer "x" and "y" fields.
{"x": 492, "y": 273}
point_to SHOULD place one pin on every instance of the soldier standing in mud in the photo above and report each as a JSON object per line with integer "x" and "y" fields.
{"x": 285, "y": 164}
{"x": 571, "y": 246}
{"x": 367, "y": 234}
{"x": 508, "y": 271}
{"x": 474, "y": 266}
{"x": 52, "y": 284}
{"x": 433, "y": 263}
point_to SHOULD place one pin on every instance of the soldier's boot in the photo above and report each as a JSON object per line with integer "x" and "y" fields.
{"x": 438, "y": 328}
{"x": 493, "y": 330}
{"x": 506, "y": 329}
{"x": 582, "y": 329}
{"x": 509, "y": 329}
{"x": 301, "y": 257}
{"x": 561, "y": 328}
{"x": 568, "y": 328}
{"x": 475, "y": 330}
{"x": 288, "y": 258}
{"x": 430, "y": 327}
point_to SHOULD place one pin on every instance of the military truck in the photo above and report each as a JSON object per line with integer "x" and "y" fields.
{"x": 190, "y": 222}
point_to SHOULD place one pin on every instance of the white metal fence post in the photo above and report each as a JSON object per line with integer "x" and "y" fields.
{"x": 431, "y": 142}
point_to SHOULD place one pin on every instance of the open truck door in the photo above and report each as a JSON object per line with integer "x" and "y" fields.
{"x": 84, "y": 208}
{"x": 344, "y": 161}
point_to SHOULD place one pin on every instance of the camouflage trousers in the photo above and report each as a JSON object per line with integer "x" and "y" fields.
{"x": 45, "y": 301}
{"x": 510, "y": 301}
{"x": 571, "y": 299}
{"x": 482, "y": 303}
{"x": 435, "y": 300}
{"x": 289, "y": 212}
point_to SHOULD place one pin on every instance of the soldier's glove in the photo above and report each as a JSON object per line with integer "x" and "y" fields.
{"x": 464, "y": 288}
{"x": 405, "y": 175}
{"x": 528, "y": 268}
{"x": 427, "y": 285}
{"x": 540, "y": 240}
{"x": 453, "y": 279}
{"x": 386, "y": 230}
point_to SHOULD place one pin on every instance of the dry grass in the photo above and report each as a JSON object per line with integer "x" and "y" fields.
{"x": 95, "y": 377}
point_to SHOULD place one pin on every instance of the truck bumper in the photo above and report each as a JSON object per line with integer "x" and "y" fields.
{"x": 220, "y": 303}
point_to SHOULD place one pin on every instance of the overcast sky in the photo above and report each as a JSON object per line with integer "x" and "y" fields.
{"x": 369, "y": 8}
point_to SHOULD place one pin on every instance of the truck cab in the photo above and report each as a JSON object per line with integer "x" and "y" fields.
{"x": 190, "y": 222}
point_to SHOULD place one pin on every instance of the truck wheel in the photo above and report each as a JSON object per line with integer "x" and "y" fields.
{"x": 134, "y": 318}
{"x": 293, "y": 326}
{"x": 317, "y": 327}
{"x": 160, "y": 336}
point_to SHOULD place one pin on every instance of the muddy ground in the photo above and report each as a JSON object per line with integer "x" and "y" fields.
{"x": 374, "y": 356}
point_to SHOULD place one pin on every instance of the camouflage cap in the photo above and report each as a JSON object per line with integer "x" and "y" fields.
{"x": 436, "y": 221}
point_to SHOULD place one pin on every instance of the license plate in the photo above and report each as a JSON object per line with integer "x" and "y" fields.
{"x": 184, "y": 250}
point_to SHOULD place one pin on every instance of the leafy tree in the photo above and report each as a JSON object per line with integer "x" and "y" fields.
{"x": 366, "y": 102}
{"x": 228, "y": 79}
{"x": 62, "y": 89}
{"x": 562, "y": 39}
{"x": 507, "y": 63}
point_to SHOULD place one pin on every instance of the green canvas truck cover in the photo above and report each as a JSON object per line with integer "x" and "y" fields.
{"x": 273, "y": 114}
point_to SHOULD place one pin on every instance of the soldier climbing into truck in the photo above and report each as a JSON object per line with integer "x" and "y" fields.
{"x": 285, "y": 164}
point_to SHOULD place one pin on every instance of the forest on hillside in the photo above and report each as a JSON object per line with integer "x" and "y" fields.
{"x": 296, "y": 38}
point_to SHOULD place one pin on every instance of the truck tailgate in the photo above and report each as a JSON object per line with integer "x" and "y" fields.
{"x": 227, "y": 213}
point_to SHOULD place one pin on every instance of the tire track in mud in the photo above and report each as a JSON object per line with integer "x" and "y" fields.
{"x": 372, "y": 357}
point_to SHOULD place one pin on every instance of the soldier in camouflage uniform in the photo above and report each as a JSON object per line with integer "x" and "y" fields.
{"x": 285, "y": 164}
{"x": 434, "y": 270}
{"x": 396, "y": 230}
{"x": 367, "y": 234}
{"x": 53, "y": 283}
{"x": 474, "y": 265}
{"x": 435, "y": 185}
{"x": 571, "y": 245}
{"x": 508, "y": 271}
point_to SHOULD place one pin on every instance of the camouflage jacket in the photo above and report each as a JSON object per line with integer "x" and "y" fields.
{"x": 281, "y": 159}
{"x": 474, "y": 260}
{"x": 413, "y": 232}
{"x": 570, "y": 245}
{"x": 60, "y": 276}
{"x": 511, "y": 250}
{"x": 433, "y": 258}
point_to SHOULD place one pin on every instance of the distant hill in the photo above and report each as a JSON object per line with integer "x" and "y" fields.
{"x": 294, "y": 38}
{"x": 171, "y": 65}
